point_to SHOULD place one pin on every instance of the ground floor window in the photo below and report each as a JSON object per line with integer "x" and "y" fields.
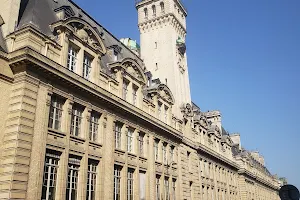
{"x": 50, "y": 176}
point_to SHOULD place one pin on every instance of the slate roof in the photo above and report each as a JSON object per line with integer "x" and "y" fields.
{"x": 41, "y": 13}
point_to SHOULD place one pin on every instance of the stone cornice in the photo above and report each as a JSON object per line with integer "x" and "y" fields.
{"x": 163, "y": 19}
{"x": 217, "y": 156}
{"x": 29, "y": 55}
{"x": 249, "y": 174}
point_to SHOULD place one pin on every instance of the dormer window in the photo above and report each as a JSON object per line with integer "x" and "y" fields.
{"x": 72, "y": 58}
{"x": 159, "y": 110}
{"x": 154, "y": 10}
{"x": 134, "y": 95}
{"x": 125, "y": 89}
{"x": 166, "y": 114}
{"x": 162, "y": 7}
{"x": 115, "y": 56}
{"x": 87, "y": 66}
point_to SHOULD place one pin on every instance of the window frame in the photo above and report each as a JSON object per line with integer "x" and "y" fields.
{"x": 76, "y": 120}
{"x": 94, "y": 126}
{"x": 130, "y": 146}
{"x": 55, "y": 113}
{"x": 91, "y": 180}
{"x": 72, "y": 182}
{"x": 117, "y": 182}
{"x": 118, "y": 135}
{"x": 87, "y": 66}
{"x": 72, "y": 58}
{"x": 130, "y": 184}
{"x": 125, "y": 89}
{"x": 50, "y": 170}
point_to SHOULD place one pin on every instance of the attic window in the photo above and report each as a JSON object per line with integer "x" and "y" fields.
{"x": 64, "y": 11}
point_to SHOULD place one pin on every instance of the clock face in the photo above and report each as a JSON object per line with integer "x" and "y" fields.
{"x": 289, "y": 192}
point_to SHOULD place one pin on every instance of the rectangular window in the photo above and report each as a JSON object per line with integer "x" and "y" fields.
{"x": 76, "y": 120}
{"x": 125, "y": 89}
{"x": 165, "y": 154}
{"x": 141, "y": 144}
{"x": 91, "y": 180}
{"x": 166, "y": 184}
{"x": 156, "y": 150}
{"x": 55, "y": 114}
{"x": 142, "y": 185}
{"x": 174, "y": 189}
{"x": 130, "y": 140}
{"x": 134, "y": 95}
{"x": 118, "y": 129}
{"x": 86, "y": 67}
{"x": 166, "y": 114}
{"x": 94, "y": 125}
{"x": 72, "y": 182}
{"x": 157, "y": 187}
{"x": 72, "y": 58}
{"x": 159, "y": 110}
{"x": 50, "y": 177}
{"x": 130, "y": 174}
{"x": 117, "y": 182}
{"x": 171, "y": 154}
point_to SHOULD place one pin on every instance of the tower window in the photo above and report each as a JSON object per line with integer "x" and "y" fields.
{"x": 155, "y": 44}
{"x": 146, "y": 13}
{"x": 154, "y": 10}
{"x": 156, "y": 66}
{"x": 162, "y": 7}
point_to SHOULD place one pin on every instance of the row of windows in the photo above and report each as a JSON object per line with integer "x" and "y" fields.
{"x": 162, "y": 9}
{"x": 51, "y": 166}
{"x": 220, "y": 174}
{"x": 166, "y": 194}
{"x": 55, "y": 118}
{"x": 164, "y": 152}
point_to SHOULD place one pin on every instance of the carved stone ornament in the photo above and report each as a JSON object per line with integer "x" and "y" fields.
{"x": 187, "y": 111}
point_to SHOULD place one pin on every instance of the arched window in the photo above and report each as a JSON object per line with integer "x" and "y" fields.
{"x": 154, "y": 10}
{"x": 162, "y": 7}
{"x": 146, "y": 13}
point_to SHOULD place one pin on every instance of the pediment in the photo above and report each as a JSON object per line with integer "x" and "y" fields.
{"x": 82, "y": 30}
{"x": 134, "y": 69}
{"x": 166, "y": 93}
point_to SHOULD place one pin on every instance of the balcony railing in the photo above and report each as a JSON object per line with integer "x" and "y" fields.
{"x": 180, "y": 1}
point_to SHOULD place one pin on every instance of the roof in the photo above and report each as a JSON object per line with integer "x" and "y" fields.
{"x": 40, "y": 14}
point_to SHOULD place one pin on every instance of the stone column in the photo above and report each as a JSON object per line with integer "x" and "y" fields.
{"x": 62, "y": 173}
{"x": 107, "y": 163}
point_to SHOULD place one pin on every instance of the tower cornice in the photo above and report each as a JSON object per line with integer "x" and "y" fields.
{"x": 139, "y": 3}
{"x": 164, "y": 19}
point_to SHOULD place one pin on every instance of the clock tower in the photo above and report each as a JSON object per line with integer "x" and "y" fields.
{"x": 162, "y": 25}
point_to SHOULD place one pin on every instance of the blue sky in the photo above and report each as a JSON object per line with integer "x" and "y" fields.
{"x": 244, "y": 60}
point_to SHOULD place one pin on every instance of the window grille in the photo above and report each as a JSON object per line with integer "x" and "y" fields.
{"x": 156, "y": 150}
{"x": 125, "y": 89}
{"x": 167, "y": 194}
{"x": 165, "y": 154}
{"x": 130, "y": 140}
{"x": 157, "y": 188}
{"x": 141, "y": 144}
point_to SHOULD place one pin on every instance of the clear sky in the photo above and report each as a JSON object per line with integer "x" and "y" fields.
{"x": 244, "y": 60}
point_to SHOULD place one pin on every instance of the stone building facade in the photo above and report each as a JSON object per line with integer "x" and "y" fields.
{"x": 85, "y": 116}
